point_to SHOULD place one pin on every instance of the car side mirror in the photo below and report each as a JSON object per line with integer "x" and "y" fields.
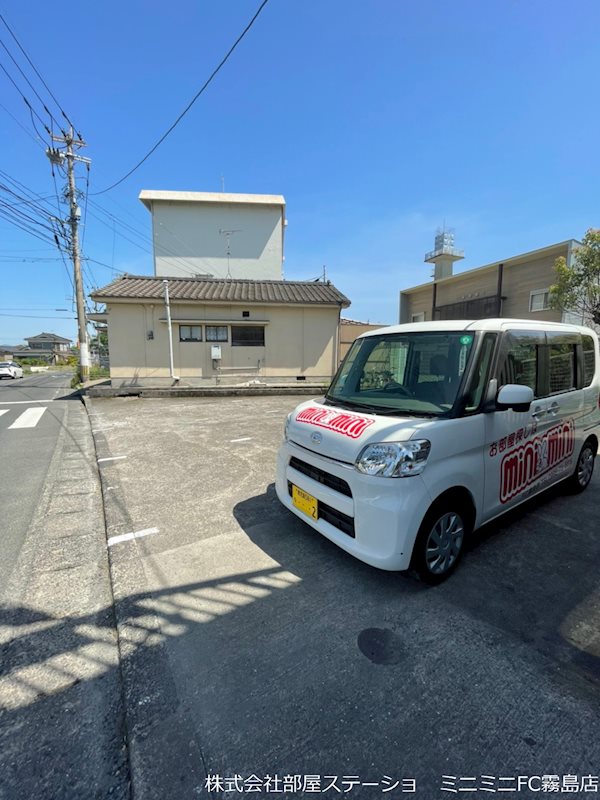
{"x": 514, "y": 396}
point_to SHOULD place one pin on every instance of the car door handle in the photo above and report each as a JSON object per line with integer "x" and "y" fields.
{"x": 538, "y": 411}
{"x": 554, "y": 408}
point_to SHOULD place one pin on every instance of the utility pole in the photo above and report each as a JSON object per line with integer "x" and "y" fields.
{"x": 58, "y": 156}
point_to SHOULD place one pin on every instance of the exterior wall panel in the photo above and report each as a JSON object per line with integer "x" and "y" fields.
{"x": 299, "y": 341}
{"x": 521, "y": 276}
{"x": 188, "y": 242}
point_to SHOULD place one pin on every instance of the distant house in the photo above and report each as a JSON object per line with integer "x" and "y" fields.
{"x": 517, "y": 287}
{"x": 7, "y": 352}
{"x": 351, "y": 329}
{"x": 47, "y": 346}
{"x": 222, "y": 331}
{"x": 217, "y": 235}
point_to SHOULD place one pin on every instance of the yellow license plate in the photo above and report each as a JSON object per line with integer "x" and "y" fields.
{"x": 305, "y": 502}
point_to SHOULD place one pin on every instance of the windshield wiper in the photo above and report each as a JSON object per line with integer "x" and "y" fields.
{"x": 406, "y": 412}
{"x": 383, "y": 410}
{"x": 349, "y": 404}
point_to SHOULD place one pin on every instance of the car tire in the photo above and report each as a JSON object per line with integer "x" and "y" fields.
{"x": 440, "y": 542}
{"x": 584, "y": 469}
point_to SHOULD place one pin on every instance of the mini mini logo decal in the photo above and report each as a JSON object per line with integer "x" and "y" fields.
{"x": 350, "y": 425}
{"x": 524, "y": 465}
{"x": 316, "y": 437}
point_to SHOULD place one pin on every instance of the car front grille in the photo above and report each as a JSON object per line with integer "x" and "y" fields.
{"x": 319, "y": 475}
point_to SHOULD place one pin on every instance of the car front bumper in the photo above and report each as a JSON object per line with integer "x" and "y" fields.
{"x": 383, "y": 514}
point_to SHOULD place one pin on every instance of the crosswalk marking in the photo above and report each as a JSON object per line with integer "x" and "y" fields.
{"x": 28, "y": 419}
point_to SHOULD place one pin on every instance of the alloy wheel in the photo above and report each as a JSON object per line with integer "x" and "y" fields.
{"x": 585, "y": 466}
{"x": 444, "y": 543}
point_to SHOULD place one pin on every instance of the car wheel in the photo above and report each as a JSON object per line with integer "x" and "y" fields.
{"x": 440, "y": 543}
{"x": 584, "y": 469}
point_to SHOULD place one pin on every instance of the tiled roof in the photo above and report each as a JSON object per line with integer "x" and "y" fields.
{"x": 47, "y": 337}
{"x": 347, "y": 321}
{"x": 222, "y": 290}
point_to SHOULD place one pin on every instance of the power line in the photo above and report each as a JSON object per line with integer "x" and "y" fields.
{"x": 28, "y": 316}
{"x": 186, "y": 266}
{"x": 23, "y": 128}
{"x": 25, "y": 100}
{"x": 32, "y": 65}
{"x": 29, "y": 83}
{"x": 191, "y": 103}
{"x": 86, "y": 201}
{"x": 103, "y": 264}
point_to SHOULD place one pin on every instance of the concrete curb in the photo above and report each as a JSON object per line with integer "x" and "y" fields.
{"x": 313, "y": 389}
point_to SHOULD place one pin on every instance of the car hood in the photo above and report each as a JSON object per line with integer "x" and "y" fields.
{"x": 341, "y": 434}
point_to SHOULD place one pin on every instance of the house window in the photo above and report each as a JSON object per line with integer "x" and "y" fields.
{"x": 216, "y": 333}
{"x": 247, "y": 336}
{"x": 420, "y": 317}
{"x": 190, "y": 333}
{"x": 538, "y": 300}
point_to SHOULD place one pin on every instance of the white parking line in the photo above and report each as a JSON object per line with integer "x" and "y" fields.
{"x": 111, "y": 458}
{"x": 28, "y": 419}
{"x": 245, "y": 439}
{"x": 127, "y": 537}
{"x": 23, "y": 402}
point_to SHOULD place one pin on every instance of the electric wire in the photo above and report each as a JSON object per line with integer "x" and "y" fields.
{"x": 26, "y": 101}
{"x": 186, "y": 266}
{"x": 190, "y": 104}
{"x": 39, "y": 143}
{"x": 29, "y": 83}
{"x": 33, "y": 67}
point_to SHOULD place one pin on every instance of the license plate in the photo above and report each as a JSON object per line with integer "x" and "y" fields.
{"x": 305, "y": 502}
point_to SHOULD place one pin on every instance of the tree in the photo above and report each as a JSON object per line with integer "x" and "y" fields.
{"x": 577, "y": 287}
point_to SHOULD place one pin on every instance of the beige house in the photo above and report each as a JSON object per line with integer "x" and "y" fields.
{"x": 222, "y": 331}
{"x": 217, "y": 234}
{"x": 351, "y": 329}
{"x": 516, "y": 287}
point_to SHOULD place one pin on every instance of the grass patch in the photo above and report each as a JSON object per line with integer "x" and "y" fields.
{"x": 99, "y": 372}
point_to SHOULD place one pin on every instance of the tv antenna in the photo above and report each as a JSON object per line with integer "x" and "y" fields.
{"x": 228, "y": 234}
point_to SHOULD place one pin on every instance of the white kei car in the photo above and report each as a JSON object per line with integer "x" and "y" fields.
{"x": 9, "y": 369}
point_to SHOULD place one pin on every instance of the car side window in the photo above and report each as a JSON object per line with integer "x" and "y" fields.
{"x": 589, "y": 360}
{"x": 520, "y": 359}
{"x": 562, "y": 362}
{"x": 479, "y": 377}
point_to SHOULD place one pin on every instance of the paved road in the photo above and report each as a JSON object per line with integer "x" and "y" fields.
{"x": 256, "y": 647}
{"x": 31, "y": 414}
{"x": 61, "y": 720}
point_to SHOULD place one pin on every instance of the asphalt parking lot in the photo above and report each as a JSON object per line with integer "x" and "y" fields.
{"x": 252, "y": 646}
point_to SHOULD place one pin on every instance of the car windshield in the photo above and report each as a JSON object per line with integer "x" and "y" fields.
{"x": 405, "y": 373}
{"x": 4, "y": 364}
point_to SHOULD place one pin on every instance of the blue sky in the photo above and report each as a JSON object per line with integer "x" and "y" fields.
{"x": 376, "y": 120}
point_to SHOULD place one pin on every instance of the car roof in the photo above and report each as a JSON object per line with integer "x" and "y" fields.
{"x": 498, "y": 324}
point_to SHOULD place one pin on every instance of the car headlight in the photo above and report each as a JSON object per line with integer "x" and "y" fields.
{"x": 394, "y": 459}
{"x": 286, "y": 426}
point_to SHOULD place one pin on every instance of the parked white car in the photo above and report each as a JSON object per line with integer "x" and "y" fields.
{"x": 9, "y": 369}
{"x": 432, "y": 429}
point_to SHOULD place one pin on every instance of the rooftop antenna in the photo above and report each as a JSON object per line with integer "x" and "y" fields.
{"x": 229, "y": 234}
{"x": 223, "y": 183}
